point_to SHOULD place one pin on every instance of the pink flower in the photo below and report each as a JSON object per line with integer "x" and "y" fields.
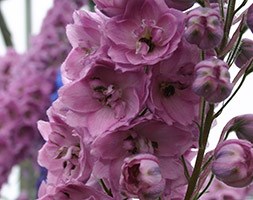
{"x": 112, "y": 7}
{"x": 8, "y": 61}
{"x": 220, "y": 191}
{"x": 73, "y": 190}
{"x": 171, "y": 97}
{"x": 141, "y": 177}
{"x": 65, "y": 154}
{"x": 105, "y": 98}
{"x": 7, "y": 159}
{"x": 85, "y": 37}
{"x": 146, "y": 33}
{"x": 233, "y": 163}
{"x": 167, "y": 143}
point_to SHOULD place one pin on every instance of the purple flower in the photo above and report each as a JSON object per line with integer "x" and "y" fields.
{"x": 65, "y": 154}
{"x": 180, "y": 4}
{"x": 212, "y": 80}
{"x": 146, "y": 33}
{"x": 171, "y": 97}
{"x": 204, "y": 28}
{"x": 72, "y": 190}
{"x": 8, "y": 61}
{"x": 233, "y": 163}
{"x": 220, "y": 191}
{"x": 167, "y": 143}
{"x": 85, "y": 37}
{"x": 141, "y": 177}
{"x": 250, "y": 17}
{"x": 105, "y": 98}
{"x": 112, "y": 7}
{"x": 245, "y": 52}
{"x": 7, "y": 159}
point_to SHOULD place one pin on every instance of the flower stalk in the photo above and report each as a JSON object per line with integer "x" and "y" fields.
{"x": 198, "y": 165}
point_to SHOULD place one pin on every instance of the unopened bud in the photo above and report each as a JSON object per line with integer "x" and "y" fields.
{"x": 245, "y": 52}
{"x": 204, "y": 28}
{"x": 180, "y": 4}
{"x": 141, "y": 177}
{"x": 233, "y": 163}
{"x": 250, "y": 18}
{"x": 212, "y": 80}
{"x": 243, "y": 126}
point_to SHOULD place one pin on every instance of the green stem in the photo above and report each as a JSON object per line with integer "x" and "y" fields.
{"x": 221, "y": 7}
{"x": 108, "y": 191}
{"x": 207, "y": 163}
{"x": 28, "y": 178}
{"x": 198, "y": 165}
{"x": 228, "y": 23}
{"x": 203, "y": 103}
{"x": 234, "y": 53}
{"x": 207, "y": 186}
{"x": 5, "y": 31}
{"x": 186, "y": 171}
{"x": 235, "y": 50}
{"x": 242, "y": 4}
{"x": 28, "y": 21}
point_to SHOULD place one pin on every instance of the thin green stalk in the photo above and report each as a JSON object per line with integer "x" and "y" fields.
{"x": 206, "y": 163}
{"x": 5, "y": 31}
{"x": 221, "y": 7}
{"x": 235, "y": 50}
{"x": 108, "y": 191}
{"x": 186, "y": 171}
{"x": 28, "y": 21}
{"x": 240, "y": 7}
{"x": 203, "y": 109}
{"x": 207, "y": 186}
{"x": 28, "y": 178}
{"x": 198, "y": 165}
{"x": 228, "y": 23}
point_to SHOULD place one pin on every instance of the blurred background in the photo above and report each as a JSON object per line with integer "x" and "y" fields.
{"x": 23, "y": 18}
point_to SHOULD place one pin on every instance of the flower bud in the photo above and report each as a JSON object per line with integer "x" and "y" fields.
{"x": 233, "y": 163}
{"x": 245, "y": 52}
{"x": 217, "y": 1}
{"x": 180, "y": 4}
{"x": 141, "y": 177}
{"x": 204, "y": 28}
{"x": 250, "y": 18}
{"x": 212, "y": 80}
{"x": 243, "y": 127}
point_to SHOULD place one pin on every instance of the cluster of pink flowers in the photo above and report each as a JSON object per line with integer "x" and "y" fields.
{"x": 26, "y": 83}
{"x": 128, "y": 114}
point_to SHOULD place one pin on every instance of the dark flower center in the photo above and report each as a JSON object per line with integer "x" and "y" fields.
{"x": 107, "y": 95}
{"x": 148, "y": 41}
{"x": 167, "y": 89}
{"x": 133, "y": 174}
